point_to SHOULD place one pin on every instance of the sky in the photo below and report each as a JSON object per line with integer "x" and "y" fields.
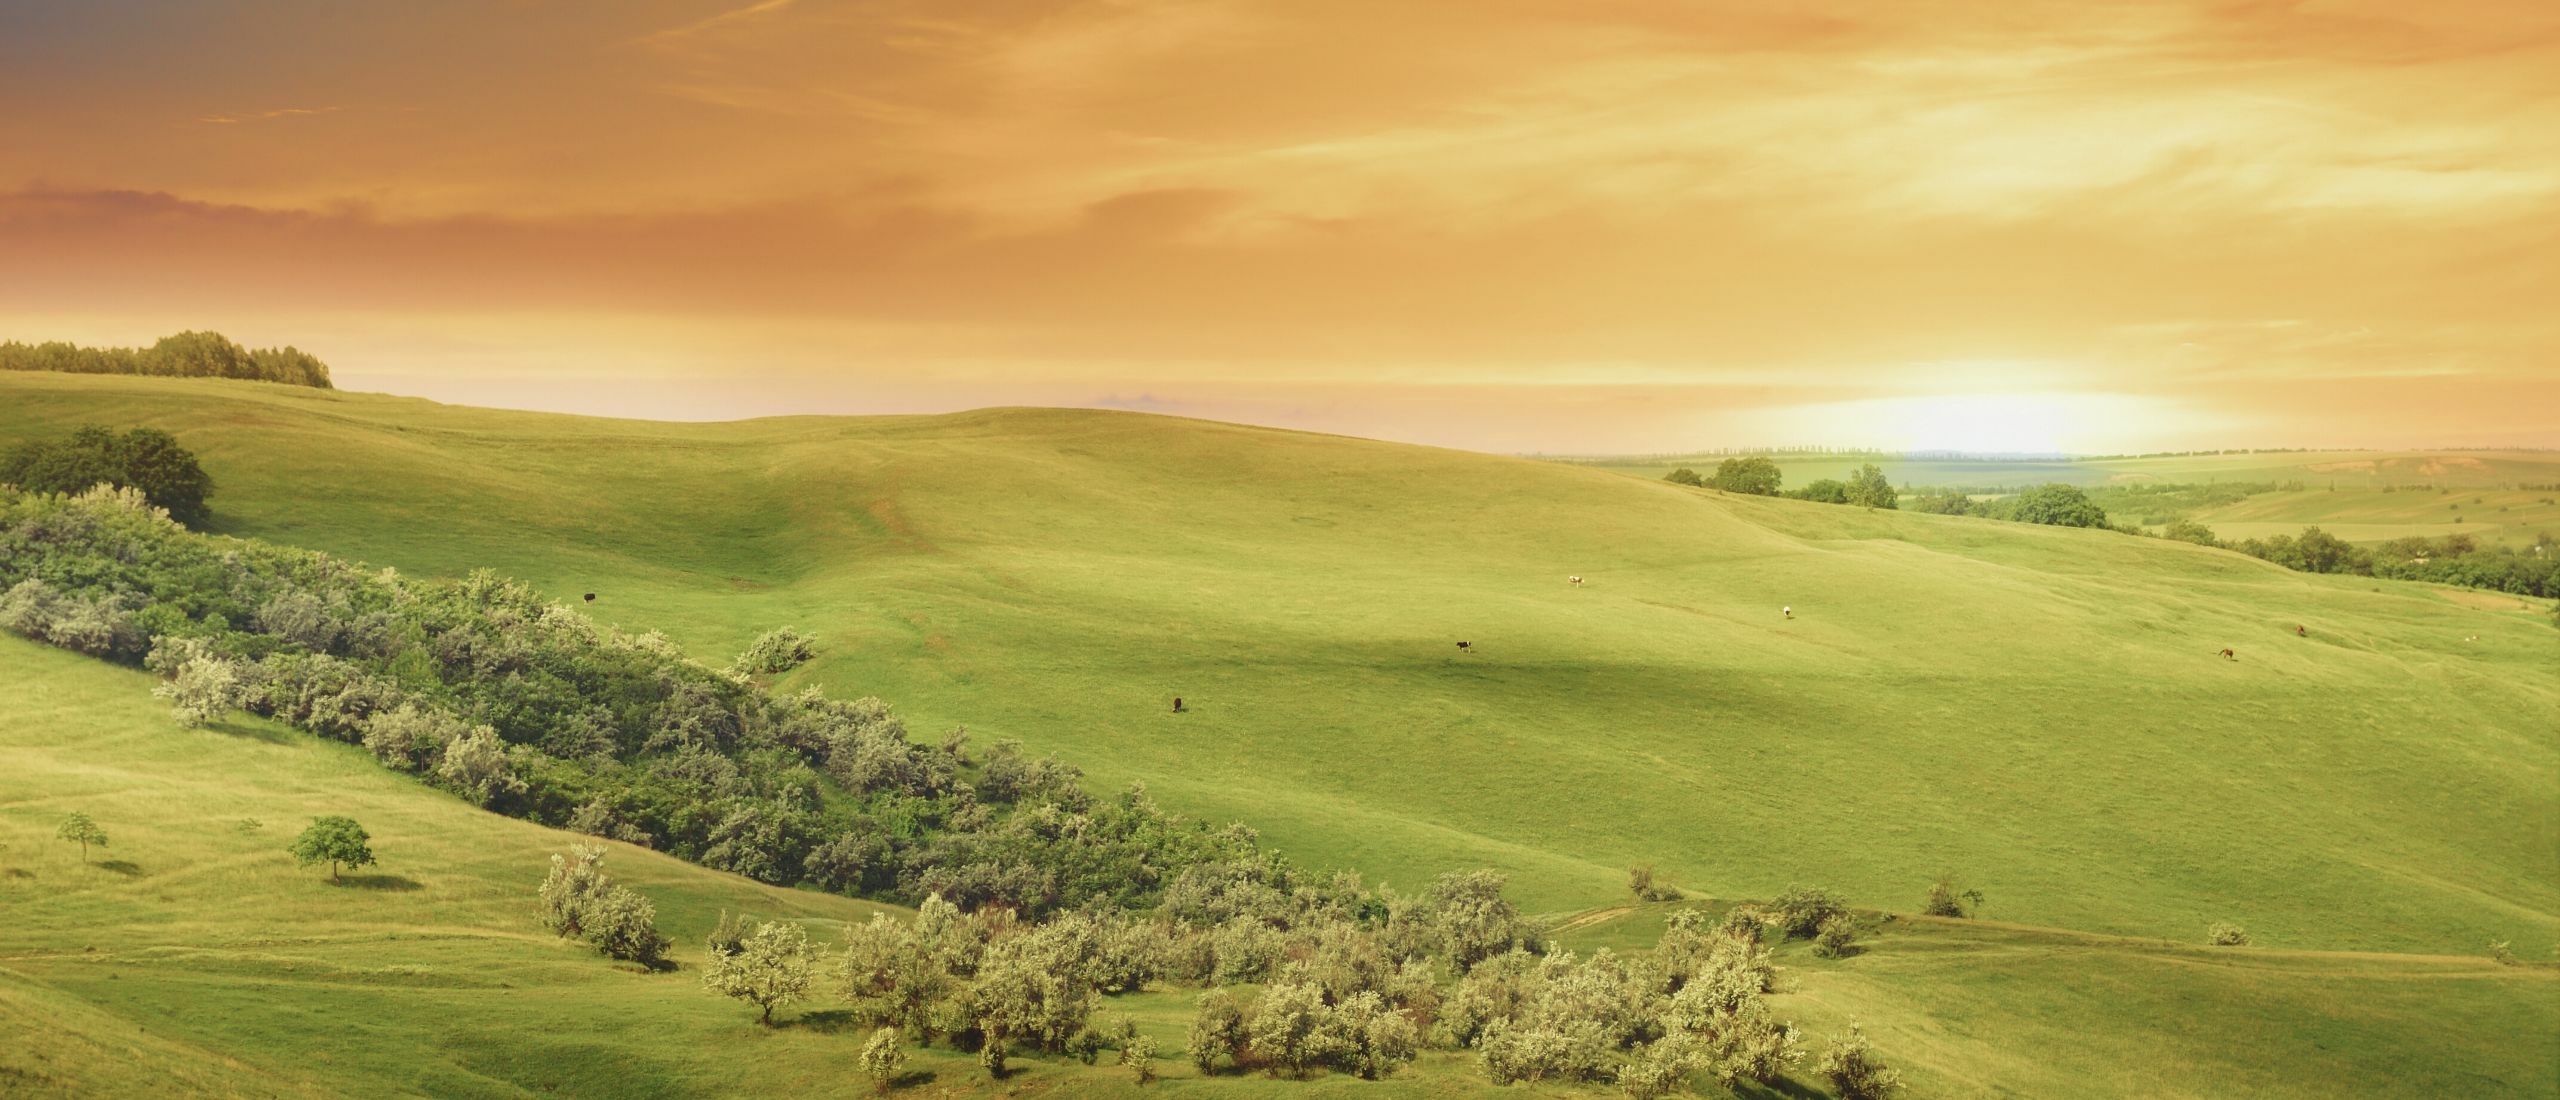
{"x": 1559, "y": 226}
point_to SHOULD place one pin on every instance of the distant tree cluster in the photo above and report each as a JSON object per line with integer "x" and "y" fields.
{"x": 147, "y": 459}
{"x": 2055, "y": 505}
{"x": 2457, "y": 559}
{"x": 185, "y": 355}
{"x": 1866, "y": 488}
{"x": 1758, "y": 476}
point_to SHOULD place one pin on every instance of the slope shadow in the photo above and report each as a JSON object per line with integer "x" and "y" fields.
{"x": 125, "y": 867}
{"x": 391, "y": 883}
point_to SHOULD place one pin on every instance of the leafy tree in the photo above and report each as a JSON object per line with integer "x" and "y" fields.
{"x": 1473, "y": 920}
{"x": 771, "y": 967}
{"x": 1868, "y": 488}
{"x": 1659, "y": 1068}
{"x": 1368, "y": 1038}
{"x": 1290, "y": 1031}
{"x": 79, "y": 829}
{"x": 336, "y": 841}
{"x": 1217, "y": 1029}
{"x": 2057, "y": 505}
{"x": 1138, "y": 1052}
{"x": 1835, "y": 938}
{"x": 2318, "y": 551}
{"x": 1645, "y": 887}
{"x": 204, "y": 689}
{"x": 1801, "y": 910}
{"x": 1823, "y": 491}
{"x": 476, "y": 767}
{"x": 580, "y": 900}
{"x": 1757, "y": 476}
{"x": 776, "y": 651}
{"x": 2190, "y": 531}
{"x": 1685, "y": 476}
{"x": 146, "y": 459}
{"x": 884, "y": 1058}
{"x": 1851, "y": 1067}
{"x": 1943, "y": 899}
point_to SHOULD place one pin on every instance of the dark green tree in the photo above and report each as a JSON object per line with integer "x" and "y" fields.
{"x": 147, "y": 459}
{"x": 1869, "y": 489}
{"x": 1684, "y": 476}
{"x": 2058, "y": 505}
{"x": 336, "y": 841}
{"x": 1824, "y": 490}
{"x": 1757, "y": 476}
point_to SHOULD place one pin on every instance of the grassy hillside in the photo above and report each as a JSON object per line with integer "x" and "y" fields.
{"x": 2037, "y": 710}
{"x": 194, "y": 960}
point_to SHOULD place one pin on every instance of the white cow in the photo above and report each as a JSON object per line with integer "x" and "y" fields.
{"x": 1574, "y": 581}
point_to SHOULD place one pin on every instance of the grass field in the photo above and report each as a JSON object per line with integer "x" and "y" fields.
{"x": 2430, "y": 495}
{"x": 193, "y": 958}
{"x": 2037, "y": 710}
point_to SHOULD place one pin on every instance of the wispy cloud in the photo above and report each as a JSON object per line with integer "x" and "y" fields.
{"x": 258, "y": 116}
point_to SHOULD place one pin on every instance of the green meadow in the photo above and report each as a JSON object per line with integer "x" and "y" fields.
{"x": 2040, "y": 712}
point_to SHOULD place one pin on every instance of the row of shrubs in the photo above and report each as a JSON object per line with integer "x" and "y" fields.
{"x": 528, "y": 708}
{"x": 1865, "y": 488}
{"x": 1354, "y": 994}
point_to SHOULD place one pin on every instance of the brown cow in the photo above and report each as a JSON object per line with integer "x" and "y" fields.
{"x": 2229, "y": 656}
{"x": 2301, "y": 631}
{"x": 1177, "y": 704}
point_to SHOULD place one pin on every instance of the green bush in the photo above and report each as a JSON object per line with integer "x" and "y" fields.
{"x": 146, "y": 459}
{"x": 1836, "y": 938}
{"x": 2226, "y": 934}
{"x": 1851, "y": 1067}
{"x": 1801, "y": 910}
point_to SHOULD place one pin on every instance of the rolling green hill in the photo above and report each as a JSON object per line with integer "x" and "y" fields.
{"x": 2039, "y": 711}
{"x": 193, "y": 959}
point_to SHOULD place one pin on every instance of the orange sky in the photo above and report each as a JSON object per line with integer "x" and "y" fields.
{"x": 1559, "y": 225}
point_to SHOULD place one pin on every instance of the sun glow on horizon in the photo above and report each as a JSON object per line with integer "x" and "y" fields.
{"x": 1997, "y": 423}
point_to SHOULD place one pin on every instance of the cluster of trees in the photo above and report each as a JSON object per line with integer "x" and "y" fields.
{"x": 1351, "y": 980}
{"x": 2452, "y": 559}
{"x": 185, "y": 355}
{"x": 2055, "y": 504}
{"x": 1756, "y": 476}
{"x": 579, "y": 901}
{"x": 527, "y": 708}
{"x": 1867, "y": 488}
{"x": 146, "y": 459}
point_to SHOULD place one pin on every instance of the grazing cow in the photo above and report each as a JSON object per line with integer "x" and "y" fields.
{"x": 1468, "y": 646}
{"x": 1575, "y": 581}
{"x": 1789, "y": 612}
{"x": 1177, "y": 704}
{"x": 2301, "y": 631}
{"x": 2229, "y": 656}
{"x": 591, "y": 597}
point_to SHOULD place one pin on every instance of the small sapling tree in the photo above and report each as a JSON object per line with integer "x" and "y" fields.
{"x": 336, "y": 841}
{"x": 884, "y": 1058}
{"x": 80, "y": 830}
